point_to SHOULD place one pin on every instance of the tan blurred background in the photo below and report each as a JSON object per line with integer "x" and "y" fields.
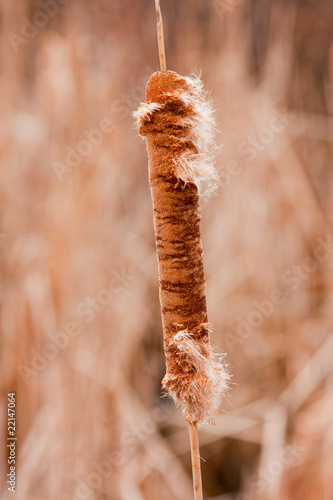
{"x": 81, "y": 339}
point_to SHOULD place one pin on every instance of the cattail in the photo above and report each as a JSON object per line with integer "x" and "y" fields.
{"x": 177, "y": 122}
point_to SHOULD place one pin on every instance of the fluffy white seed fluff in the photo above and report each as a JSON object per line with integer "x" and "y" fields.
{"x": 203, "y": 392}
{"x": 145, "y": 110}
{"x": 199, "y": 168}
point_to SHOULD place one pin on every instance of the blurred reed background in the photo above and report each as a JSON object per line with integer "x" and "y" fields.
{"x": 81, "y": 338}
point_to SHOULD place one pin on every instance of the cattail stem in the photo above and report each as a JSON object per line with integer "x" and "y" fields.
{"x": 195, "y": 455}
{"x": 160, "y": 36}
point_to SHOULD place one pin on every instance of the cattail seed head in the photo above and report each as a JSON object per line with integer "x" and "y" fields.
{"x": 177, "y": 122}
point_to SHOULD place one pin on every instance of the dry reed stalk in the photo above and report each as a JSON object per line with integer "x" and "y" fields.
{"x": 195, "y": 455}
{"x": 160, "y": 36}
